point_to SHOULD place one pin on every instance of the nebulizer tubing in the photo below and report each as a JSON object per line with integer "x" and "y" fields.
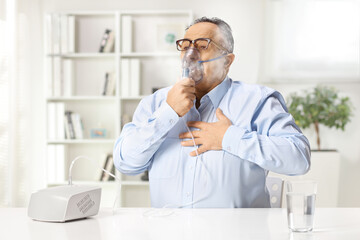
{"x": 162, "y": 212}
{"x": 213, "y": 59}
{"x": 92, "y": 160}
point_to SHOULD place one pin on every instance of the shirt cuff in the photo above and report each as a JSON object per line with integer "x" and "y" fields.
{"x": 166, "y": 116}
{"x": 232, "y": 138}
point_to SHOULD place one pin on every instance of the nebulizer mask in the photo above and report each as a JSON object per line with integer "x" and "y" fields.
{"x": 192, "y": 64}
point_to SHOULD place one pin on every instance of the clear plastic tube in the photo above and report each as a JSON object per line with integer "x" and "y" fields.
{"x": 87, "y": 158}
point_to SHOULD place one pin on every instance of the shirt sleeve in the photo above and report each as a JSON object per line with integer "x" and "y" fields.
{"x": 275, "y": 142}
{"x": 142, "y": 137}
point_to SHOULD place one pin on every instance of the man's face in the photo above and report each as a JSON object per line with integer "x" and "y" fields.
{"x": 214, "y": 72}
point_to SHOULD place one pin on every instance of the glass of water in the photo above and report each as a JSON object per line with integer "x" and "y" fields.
{"x": 300, "y": 200}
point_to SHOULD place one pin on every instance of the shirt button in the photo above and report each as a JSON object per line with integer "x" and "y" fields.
{"x": 188, "y": 194}
{"x": 171, "y": 121}
{"x": 191, "y": 167}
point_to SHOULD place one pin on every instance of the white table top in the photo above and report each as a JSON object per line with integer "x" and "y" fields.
{"x": 130, "y": 223}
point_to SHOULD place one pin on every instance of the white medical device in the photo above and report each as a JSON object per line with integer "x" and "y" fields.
{"x": 64, "y": 203}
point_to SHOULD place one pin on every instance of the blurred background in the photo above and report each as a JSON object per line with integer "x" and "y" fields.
{"x": 57, "y": 57}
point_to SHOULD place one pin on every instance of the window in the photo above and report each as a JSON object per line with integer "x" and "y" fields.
{"x": 312, "y": 39}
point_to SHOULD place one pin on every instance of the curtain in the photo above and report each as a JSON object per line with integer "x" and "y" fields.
{"x": 16, "y": 87}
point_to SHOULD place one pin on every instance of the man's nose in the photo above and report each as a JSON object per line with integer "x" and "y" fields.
{"x": 192, "y": 54}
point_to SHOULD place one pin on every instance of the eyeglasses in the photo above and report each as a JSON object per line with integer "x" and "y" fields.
{"x": 200, "y": 44}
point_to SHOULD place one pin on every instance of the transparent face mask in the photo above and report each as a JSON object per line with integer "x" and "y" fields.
{"x": 192, "y": 66}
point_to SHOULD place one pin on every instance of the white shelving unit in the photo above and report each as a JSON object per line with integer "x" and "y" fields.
{"x": 74, "y": 36}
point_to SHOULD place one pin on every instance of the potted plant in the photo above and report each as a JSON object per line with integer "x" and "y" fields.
{"x": 322, "y": 105}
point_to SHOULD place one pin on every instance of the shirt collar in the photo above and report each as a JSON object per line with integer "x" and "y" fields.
{"x": 219, "y": 91}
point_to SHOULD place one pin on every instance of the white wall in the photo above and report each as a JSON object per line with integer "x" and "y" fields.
{"x": 246, "y": 19}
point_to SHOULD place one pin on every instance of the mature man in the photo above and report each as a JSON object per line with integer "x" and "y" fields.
{"x": 242, "y": 131}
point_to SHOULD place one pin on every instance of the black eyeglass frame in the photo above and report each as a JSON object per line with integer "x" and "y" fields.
{"x": 193, "y": 42}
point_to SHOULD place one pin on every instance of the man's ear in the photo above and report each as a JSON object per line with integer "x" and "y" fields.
{"x": 229, "y": 59}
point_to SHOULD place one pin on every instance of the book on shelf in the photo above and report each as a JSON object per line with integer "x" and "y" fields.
{"x": 126, "y": 34}
{"x": 68, "y": 77}
{"x": 55, "y": 121}
{"x": 73, "y": 125}
{"x": 78, "y": 128}
{"x": 106, "y": 82}
{"x": 109, "y": 46}
{"x": 134, "y": 77}
{"x": 51, "y": 121}
{"x": 107, "y": 41}
{"x": 125, "y": 77}
{"x": 71, "y": 34}
{"x": 60, "y": 111}
{"x": 50, "y": 77}
{"x": 57, "y": 77}
{"x": 69, "y": 126}
{"x": 109, "y": 166}
{"x": 130, "y": 77}
{"x": 109, "y": 84}
{"x": 67, "y": 34}
{"x": 60, "y": 33}
{"x": 63, "y": 34}
{"x": 61, "y": 77}
{"x": 48, "y": 34}
{"x": 55, "y": 34}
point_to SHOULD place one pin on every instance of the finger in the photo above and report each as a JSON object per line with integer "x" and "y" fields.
{"x": 197, "y": 124}
{"x": 189, "y": 89}
{"x": 195, "y": 134}
{"x": 220, "y": 115}
{"x": 190, "y": 143}
{"x": 191, "y": 96}
{"x": 188, "y": 82}
{"x": 184, "y": 135}
{"x": 200, "y": 150}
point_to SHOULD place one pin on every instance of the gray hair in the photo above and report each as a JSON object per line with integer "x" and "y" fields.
{"x": 224, "y": 28}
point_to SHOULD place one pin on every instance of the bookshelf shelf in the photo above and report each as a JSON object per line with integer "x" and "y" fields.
{"x": 137, "y": 60}
{"x": 92, "y": 183}
{"x": 158, "y": 12}
{"x": 82, "y": 141}
{"x": 134, "y": 183}
{"x": 150, "y": 54}
{"x": 83, "y": 55}
{"x": 81, "y": 98}
{"x": 88, "y": 13}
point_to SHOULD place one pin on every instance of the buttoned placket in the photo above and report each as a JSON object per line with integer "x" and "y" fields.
{"x": 192, "y": 165}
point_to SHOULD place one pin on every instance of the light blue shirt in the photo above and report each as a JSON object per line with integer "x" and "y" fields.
{"x": 263, "y": 137}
